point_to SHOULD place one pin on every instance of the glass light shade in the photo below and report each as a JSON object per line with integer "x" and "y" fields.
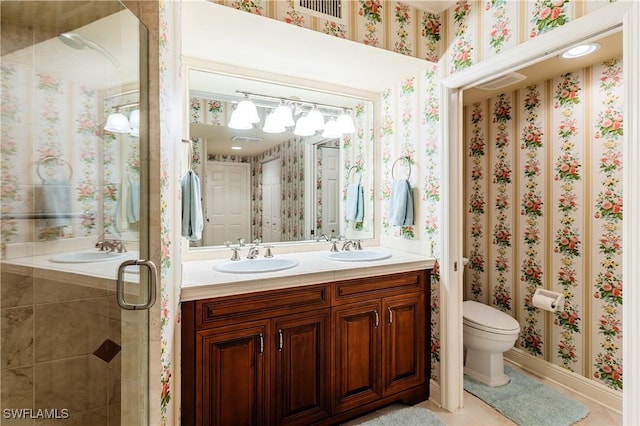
{"x": 117, "y": 123}
{"x": 273, "y": 124}
{"x": 345, "y": 124}
{"x": 238, "y": 122}
{"x": 303, "y": 127}
{"x": 332, "y": 130}
{"x": 134, "y": 122}
{"x": 317, "y": 119}
{"x": 285, "y": 115}
{"x": 248, "y": 111}
{"x": 581, "y": 50}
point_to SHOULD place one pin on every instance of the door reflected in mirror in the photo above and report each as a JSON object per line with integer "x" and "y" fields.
{"x": 277, "y": 162}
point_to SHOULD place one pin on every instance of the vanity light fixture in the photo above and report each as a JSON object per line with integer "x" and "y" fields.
{"x": 303, "y": 127}
{"x": 581, "y": 50}
{"x": 134, "y": 123}
{"x": 345, "y": 123}
{"x": 117, "y": 122}
{"x": 273, "y": 124}
{"x": 316, "y": 118}
{"x": 236, "y": 148}
{"x": 245, "y": 114}
{"x": 284, "y": 114}
{"x": 332, "y": 129}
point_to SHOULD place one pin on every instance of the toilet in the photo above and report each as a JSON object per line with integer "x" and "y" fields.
{"x": 487, "y": 333}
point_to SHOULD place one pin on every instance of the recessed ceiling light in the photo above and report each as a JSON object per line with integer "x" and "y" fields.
{"x": 237, "y": 148}
{"x": 580, "y": 50}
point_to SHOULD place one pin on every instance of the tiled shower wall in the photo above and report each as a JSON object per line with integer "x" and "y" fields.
{"x": 61, "y": 350}
{"x": 544, "y": 196}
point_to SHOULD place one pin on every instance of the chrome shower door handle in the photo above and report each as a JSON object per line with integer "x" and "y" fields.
{"x": 151, "y": 285}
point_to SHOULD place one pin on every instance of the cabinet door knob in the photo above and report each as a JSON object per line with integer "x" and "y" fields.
{"x": 377, "y": 318}
{"x": 280, "y": 340}
{"x": 261, "y": 342}
{"x": 390, "y": 314}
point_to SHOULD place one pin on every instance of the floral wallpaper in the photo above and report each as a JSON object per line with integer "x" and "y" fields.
{"x": 411, "y": 149}
{"x": 64, "y": 111}
{"x": 543, "y": 175}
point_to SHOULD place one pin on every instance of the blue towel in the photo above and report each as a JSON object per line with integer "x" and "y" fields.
{"x": 192, "y": 222}
{"x": 401, "y": 205}
{"x": 53, "y": 199}
{"x": 133, "y": 202}
{"x": 355, "y": 203}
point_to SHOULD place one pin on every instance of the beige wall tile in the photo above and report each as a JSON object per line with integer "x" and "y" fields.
{"x": 16, "y": 290}
{"x": 17, "y": 337}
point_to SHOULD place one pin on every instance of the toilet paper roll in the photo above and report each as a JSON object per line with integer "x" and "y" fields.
{"x": 547, "y": 300}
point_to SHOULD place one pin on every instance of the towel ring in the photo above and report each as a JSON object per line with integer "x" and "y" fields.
{"x": 406, "y": 160}
{"x": 349, "y": 174}
{"x": 49, "y": 159}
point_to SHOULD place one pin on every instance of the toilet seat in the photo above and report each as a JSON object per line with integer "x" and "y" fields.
{"x": 487, "y": 318}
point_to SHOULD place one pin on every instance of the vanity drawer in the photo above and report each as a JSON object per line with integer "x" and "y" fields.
{"x": 379, "y": 286}
{"x": 215, "y": 312}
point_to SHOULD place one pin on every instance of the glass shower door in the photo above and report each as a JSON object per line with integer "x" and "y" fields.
{"x": 75, "y": 281}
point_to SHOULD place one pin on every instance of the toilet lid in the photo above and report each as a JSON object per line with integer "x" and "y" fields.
{"x": 485, "y": 317}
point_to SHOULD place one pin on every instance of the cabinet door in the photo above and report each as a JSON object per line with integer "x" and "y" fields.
{"x": 301, "y": 377}
{"x": 232, "y": 375}
{"x": 356, "y": 356}
{"x": 403, "y": 364}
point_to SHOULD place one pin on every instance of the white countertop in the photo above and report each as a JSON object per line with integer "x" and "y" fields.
{"x": 40, "y": 266}
{"x": 201, "y": 281}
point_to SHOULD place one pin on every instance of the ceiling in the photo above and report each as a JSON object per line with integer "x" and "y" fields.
{"x": 611, "y": 47}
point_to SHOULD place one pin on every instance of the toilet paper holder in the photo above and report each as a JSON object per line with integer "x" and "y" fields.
{"x": 548, "y": 300}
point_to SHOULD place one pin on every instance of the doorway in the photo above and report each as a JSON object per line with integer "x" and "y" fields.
{"x": 228, "y": 200}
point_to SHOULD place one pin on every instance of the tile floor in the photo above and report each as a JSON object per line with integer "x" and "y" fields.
{"x": 476, "y": 412}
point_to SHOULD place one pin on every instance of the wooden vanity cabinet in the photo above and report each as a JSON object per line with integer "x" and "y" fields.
{"x": 319, "y": 354}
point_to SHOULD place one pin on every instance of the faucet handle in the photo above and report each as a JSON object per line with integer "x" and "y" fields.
{"x": 241, "y": 242}
{"x": 227, "y": 243}
{"x": 268, "y": 252}
{"x": 334, "y": 245}
{"x": 257, "y": 241}
{"x": 235, "y": 255}
{"x": 358, "y": 244}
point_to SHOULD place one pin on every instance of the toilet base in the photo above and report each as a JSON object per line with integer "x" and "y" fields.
{"x": 485, "y": 367}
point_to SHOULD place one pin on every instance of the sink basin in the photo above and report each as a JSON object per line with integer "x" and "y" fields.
{"x": 254, "y": 266}
{"x": 358, "y": 255}
{"x": 87, "y": 256}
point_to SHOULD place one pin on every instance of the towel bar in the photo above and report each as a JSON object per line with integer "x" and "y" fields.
{"x": 406, "y": 160}
{"x": 357, "y": 171}
{"x": 52, "y": 158}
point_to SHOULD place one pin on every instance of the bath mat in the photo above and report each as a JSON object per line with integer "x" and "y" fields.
{"x": 410, "y": 416}
{"x": 526, "y": 401}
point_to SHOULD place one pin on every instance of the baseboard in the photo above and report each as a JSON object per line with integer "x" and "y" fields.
{"x": 434, "y": 393}
{"x": 587, "y": 388}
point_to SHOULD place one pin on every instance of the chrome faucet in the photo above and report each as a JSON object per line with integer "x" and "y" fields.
{"x": 235, "y": 255}
{"x": 253, "y": 252}
{"x": 268, "y": 252}
{"x": 111, "y": 245}
{"x": 347, "y": 245}
{"x": 324, "y": 237}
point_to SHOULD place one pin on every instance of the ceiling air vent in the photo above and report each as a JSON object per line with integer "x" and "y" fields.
{"x": 504, "y": 81}
{"x": 248, "y": 139}
{"x": 327, "y": 9}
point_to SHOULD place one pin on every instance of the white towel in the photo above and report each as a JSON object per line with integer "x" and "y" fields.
{"x": 192, "y": 223}
{"x": 355, "y": 203}
{"x": 401, "y": 204}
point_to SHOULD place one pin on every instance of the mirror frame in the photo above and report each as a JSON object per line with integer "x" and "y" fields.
{"x": 625, "y": 15}
{"x": 195, "y": 64}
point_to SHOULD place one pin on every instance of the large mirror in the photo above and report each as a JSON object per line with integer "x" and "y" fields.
{"x": 306, "y": 176}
